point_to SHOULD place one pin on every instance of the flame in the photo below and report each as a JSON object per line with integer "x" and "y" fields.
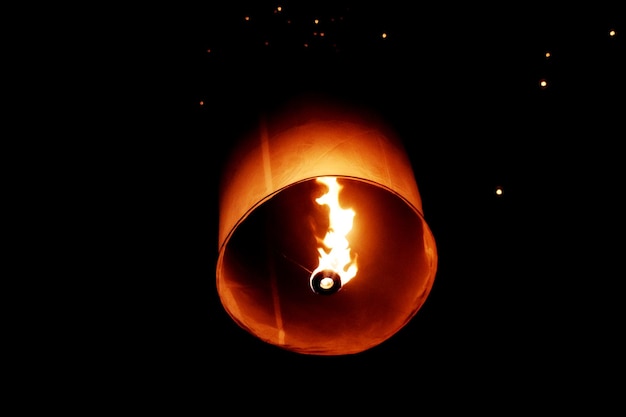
{"x": 336, "y": 254}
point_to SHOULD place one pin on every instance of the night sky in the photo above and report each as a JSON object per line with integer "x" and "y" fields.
{"x": 526, "y": 307}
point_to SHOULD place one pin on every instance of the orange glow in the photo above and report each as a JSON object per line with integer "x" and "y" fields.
{"x": 612, "y": 33}
{"x": 548, "y": 55}
{"x": 335, "y": 255}
{"x": 315, "y": 188}
{"x": 384, "y": 35}
{"x": 543, "y": 83}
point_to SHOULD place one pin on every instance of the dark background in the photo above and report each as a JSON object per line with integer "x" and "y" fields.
{"x": 526, "y": 308}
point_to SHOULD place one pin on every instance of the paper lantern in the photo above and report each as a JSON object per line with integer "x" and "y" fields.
{"x": 323, "y": 246}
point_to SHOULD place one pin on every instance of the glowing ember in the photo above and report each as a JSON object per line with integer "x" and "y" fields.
{"x": 336, "y": 264}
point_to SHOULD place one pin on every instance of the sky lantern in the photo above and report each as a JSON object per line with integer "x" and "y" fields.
{"x": 323, "y": 245}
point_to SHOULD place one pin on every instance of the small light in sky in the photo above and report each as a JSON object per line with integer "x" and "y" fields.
{"x": 208, "y": 51}
{"x": 548, "y": 54}
{"x": 247, "y": 18}
{"x": 499, "y": 190}
{"x": 202, "y": 102}
{"x": 543, "y": 83}
{"x": 279, "y": 8}
{"x": 316, "y": 21}
{"x": 612, "y": 32}
{"x": 384, "y": 35}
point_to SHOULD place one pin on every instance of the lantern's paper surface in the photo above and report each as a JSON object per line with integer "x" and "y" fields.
{"x": 271, "y": 226}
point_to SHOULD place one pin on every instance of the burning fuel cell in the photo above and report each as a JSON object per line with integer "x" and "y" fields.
{"x": 320, "y": 216}
{"x": 326, "y": 282}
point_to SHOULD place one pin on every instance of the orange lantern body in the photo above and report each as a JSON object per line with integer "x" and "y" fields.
{"x": 275, "y": 230}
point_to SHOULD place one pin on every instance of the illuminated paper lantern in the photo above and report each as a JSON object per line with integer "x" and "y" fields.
{"x": 323, "y": 246}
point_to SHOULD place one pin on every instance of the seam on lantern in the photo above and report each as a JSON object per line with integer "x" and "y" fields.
{"x": 265, "y": 151}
